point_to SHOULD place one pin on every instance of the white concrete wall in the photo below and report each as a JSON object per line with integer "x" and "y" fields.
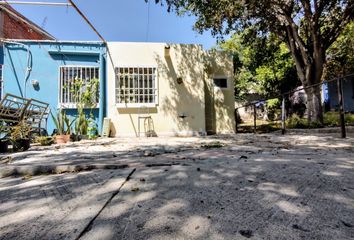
{"x": 174, "y": 99}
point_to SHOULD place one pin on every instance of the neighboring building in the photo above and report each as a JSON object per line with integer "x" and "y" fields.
{"x": 42, "y": 70}
{"x": 169, "y": 90}
{"x": 331, "y": 98}
{"x": 14, "y": 25}
{"x": 165, "y": 89}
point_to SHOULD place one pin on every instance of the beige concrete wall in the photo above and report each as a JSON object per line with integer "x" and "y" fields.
{"x": 174, "y": 99}
{"x": 220, "y": 102}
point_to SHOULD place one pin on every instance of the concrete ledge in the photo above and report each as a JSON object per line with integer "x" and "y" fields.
{"x": 349, "y": 129}
{"x": 54, "y": 169}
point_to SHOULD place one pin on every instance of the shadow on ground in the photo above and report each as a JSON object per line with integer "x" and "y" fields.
{"x": 259, "y": 187}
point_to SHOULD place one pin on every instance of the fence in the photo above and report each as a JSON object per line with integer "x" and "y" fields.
{"x": 290, "y": 109}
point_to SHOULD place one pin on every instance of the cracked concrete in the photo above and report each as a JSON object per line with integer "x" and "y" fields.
{"x": 254, "y": 186}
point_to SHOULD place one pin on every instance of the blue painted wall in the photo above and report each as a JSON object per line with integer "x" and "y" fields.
{"x": 348, "y": 94}
{"x": 43, "y": 60}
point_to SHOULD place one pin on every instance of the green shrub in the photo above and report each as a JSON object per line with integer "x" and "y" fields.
{"x": 273, "y": 108}
{"x": 331, "y": 119}
{"x": 349, "y": 119}
{"x": 296, "y": 122}
{"x": 45, "y": 141}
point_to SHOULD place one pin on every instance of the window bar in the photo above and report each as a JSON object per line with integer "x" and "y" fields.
{"x": 138, "y": 95}
{"x": 144, "y": 76}
{"x": 66, "y": 76}
{"x": 133, "y": 85}
{"x": 60, "y": 84}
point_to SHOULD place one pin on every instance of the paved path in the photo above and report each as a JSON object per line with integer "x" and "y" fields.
{"x": 258, "y": 187}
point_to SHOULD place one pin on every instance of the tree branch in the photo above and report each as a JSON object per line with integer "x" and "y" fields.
{"x": 333, "y": 33}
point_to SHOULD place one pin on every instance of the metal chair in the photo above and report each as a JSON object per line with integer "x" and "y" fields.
{"x": 144, "y": 114}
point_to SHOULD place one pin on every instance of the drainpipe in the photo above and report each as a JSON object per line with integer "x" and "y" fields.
{"x": 28, "y": 67}
{"x": 102, "y": 109}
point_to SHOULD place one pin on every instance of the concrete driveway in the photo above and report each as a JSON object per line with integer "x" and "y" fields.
{"x": 230, "y": 187}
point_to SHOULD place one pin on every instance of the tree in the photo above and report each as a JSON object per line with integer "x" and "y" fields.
{"x": 340, "y": 56}
{"x": 308, "y": 27}
{"x": 263, "y": 66}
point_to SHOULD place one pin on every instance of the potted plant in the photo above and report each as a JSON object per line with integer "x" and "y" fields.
{"x": 20, "y": 136}
{"x": 86, "y": 100}
{"x": 63, "y": 127}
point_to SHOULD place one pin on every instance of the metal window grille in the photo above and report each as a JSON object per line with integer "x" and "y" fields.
{"x": 136, "y": 85}
{"x": 69, "y": 92}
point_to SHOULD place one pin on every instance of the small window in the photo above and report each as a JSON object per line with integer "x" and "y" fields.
{"x": 74, "y": 80}
{"x": 352, "y": 82}
{"x": 220, "y": 82}
{"x": 136, "y": 85}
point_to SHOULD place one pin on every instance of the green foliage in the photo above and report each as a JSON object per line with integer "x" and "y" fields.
{"x": 320, "y": 20}
{"x": 295, "y": 121}
{"x": 215, "y": 144}
{"x": 308, "y": 28}
{"x": 340, "y": 55}
{"x": 330, "y": 119}
{"x": 273, "y": 108}
{"x": 45, "y": 141}
{"x": 20, "y": 131}
{"x": 263, "y": 66}
{"x": 86, "y": 94}
{"x": 62, "y": 123}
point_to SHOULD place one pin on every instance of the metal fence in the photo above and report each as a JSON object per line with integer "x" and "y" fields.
{"x": 290, "y": 109}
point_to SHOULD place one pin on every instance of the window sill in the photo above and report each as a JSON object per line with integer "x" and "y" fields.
{"x": 74, "y": 106}
{"x": 136, "y": 105}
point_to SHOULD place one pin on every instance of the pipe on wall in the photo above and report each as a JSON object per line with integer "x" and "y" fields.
{"x": 102, "y": 109}
{"x": 28, "y": 67}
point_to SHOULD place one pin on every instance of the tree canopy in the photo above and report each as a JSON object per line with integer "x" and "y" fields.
{"x": 308, "y": 27}
{"x": 340, "y": 56}
{"x": 263, "y": 66}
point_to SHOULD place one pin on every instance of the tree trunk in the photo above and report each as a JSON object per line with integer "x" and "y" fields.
{"x": 310, "y": 73}
{"x": 314, "y": 105}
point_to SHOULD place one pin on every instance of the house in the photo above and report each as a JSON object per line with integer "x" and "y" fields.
{"x": 14, "y": 25}
{"x": 43, "y": 70}
{"x": 144, "y": 88}
{"x": 331, "y": 95}
{"x": 169, "y": 89}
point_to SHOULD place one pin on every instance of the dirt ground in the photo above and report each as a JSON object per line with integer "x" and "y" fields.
{"x": 223, "y": 187}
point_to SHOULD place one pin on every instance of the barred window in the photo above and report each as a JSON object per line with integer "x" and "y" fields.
{"x": 136, "y": 85}
{"x": 74, "y": 81}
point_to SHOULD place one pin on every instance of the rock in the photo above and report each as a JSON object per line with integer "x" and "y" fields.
{"x": 246, "y": 233}
{"x": 243, "y": 157}
{"x": 345, "y": 223}
{"x": 149, "y": 154}
{"x": 135, "y": 189}
{"x": 297, "y": 227}
{"x": 6, "y": 159}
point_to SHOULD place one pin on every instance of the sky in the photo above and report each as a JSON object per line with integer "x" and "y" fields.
{"x": 116, "y": 20}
